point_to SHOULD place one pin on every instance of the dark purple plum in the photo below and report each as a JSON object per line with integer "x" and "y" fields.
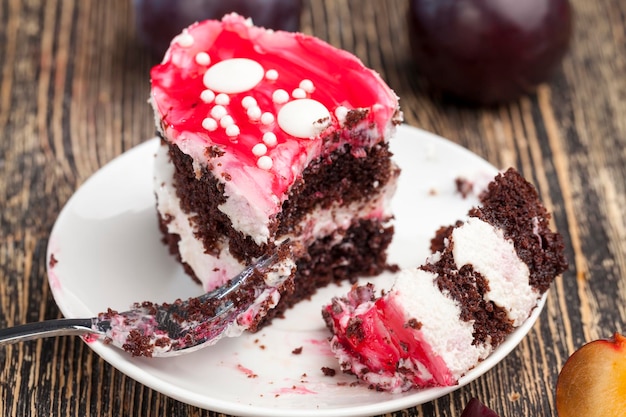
{"x": 158, "y": 21}
{"x": 475, "y": 408}
{"x": 488, "y": 51}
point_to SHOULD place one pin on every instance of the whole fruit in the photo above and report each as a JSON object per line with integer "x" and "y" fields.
{"x": 488, "y": 51}
{"x": 592, "y": 382}
{"x": 475, "y": 408}
{"x": 158, "y": 21}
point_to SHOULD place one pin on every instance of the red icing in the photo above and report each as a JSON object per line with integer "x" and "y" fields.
{"x": 248, "y": 372}
{"x": 90, "y": 338}
{"x": 384, "y": 340}
{"x": 339, "y": 79}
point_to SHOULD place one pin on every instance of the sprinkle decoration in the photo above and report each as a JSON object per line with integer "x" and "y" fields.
{"x": 267, "y": 118}
{"x": 271, "y": 75}
{"x": 270, "y": 139}
{"x": 222, "y": 99}
{"x": 209, "y": 124}
{"x": 207, "y": 96}
{"x": 259, "y": 149}
{"x": 202, "y": 58}
{"x": 265, "y": 162}
{"x": 232, "y": 130}
{"x": 262, "y": 98}
{"x": 239, "y": 75}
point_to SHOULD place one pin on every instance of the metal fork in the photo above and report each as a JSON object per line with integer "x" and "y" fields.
{"x": 168, "y": 329}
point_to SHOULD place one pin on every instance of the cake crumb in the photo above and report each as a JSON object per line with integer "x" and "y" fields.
{"x": 413, "y": 324}
{"x": 213, "y": 152}
{"x": 328, "y": 371}
{"x": 138, "y": 344}
{"x": 464, "y": 186}
{"x": 297, "y": 350}
{"x": 53, "y": 261}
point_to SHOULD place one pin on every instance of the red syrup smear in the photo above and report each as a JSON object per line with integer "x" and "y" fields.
{"x": 339, "y": 79}
{"x": 90, "y": 338}
{"x": 302, "y": 390}
{"x": 385, "y": 340}
{"x": 53, "y": 278}
{"x": 248, "y": 372}
{"x": 321, "y": 347}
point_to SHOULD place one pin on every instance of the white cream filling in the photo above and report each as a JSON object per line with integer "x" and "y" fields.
{"x": 265, "y": 301}
{"x": 481, "y": 245}
{"x": 448, "y": 336}
{"x": 215, "y": 270}
{"x": 278, "y": 273}
{"x": 211, "y": 271}
{"x": 246, "y": 203}
{"x": 324, "y": 222}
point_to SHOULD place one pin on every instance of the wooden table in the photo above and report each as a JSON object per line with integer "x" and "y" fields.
{"x": 73, "y": 90}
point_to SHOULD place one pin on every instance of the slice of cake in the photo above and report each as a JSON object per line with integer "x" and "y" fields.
{"x": 267, "y": 136}
{"x": 441, "y": 319}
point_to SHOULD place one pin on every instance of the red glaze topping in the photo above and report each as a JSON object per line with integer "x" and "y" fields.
{"x": 385, "y": 343}
{"x": 266, "y": 99}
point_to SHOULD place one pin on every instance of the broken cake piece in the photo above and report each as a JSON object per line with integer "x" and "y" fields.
{"x": 439, "y": 320}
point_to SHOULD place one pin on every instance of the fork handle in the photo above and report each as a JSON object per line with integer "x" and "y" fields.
{"x": 47, "y": 328}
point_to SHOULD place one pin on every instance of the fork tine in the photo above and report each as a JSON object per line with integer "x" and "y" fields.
{"x": 261, "y": 263}
{"x": 238, "y": 279}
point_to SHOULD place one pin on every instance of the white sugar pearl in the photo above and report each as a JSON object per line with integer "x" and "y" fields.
{"x": 259, "y": 149}
{"x": 185, "y": 39}
{"x": 265, "y": 162}
{"x": 222, "y": 99}
{"x": 298, "y": 93}
{"x": 202, "y": 58}
{"x": 271, "y": 75}
{"x": 340, "y": 113}
{"x": 226, "y": 121}
{"x": 307, "y": 85}
{"x": 254, "y": 113}
{"x": 248, "y": 101}
{"x": 218, "y": 112}
{"x": 232, "y": 130}
{"x": 207, "y": 96}
{"x": 209, "y": 124}
{"x": 280, "y": 96}
{"x": 233, "y": 76}
{"x": 267, "y": 118}
{"x": 269, "y": 138}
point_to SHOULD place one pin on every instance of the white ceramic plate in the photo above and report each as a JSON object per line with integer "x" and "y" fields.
{"x": 108, "y": 253}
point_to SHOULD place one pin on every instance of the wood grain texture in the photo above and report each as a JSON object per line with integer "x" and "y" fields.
{"x": 73, "y": 90}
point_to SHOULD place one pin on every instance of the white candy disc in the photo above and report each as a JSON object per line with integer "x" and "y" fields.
{"x": 233, "y": 76}
{"x": 303, "y": 118}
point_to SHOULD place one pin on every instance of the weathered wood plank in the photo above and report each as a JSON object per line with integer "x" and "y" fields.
{"x": 73, "y": 91}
